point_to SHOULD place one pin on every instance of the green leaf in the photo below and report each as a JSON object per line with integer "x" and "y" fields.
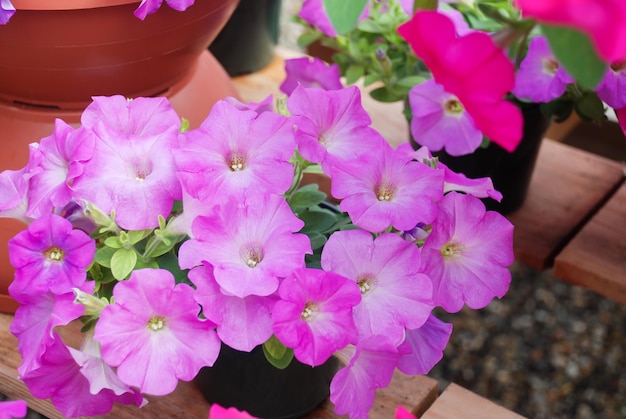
{"x": 305, "y": 197}
{"x": 354, "y": 72}
{"x": 317, "y": 240}
{"x": 382, "y": 94}
{"x": 135, "y": 236}
{"x": 411, "y": 81}
{"x": 123, "y": 262}
{"x": 344, "y": 14}
{"x": 317, "y": 220}
{"x": 307, "y": 38}
{"x": 590, "y": 107}
{"x": 370, "y": 26}
{"x": 576, "y": 53}
{"x": 103, "y": 256}
{"x": 113, "y": 241}
{"x": 276, "y": 353}
{"x": 169, "y": 261}
{"x": 425, "y": 4}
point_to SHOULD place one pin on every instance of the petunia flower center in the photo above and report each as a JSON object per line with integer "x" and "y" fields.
{"x": 365, "y": 283}
{"x": 157, "y": 323}
{"x": 385, "y": 192}
{"x": 550, "y": 66}
{"x": 252, "y": 255}
{"x": 236, "y": 162}
{"x": 450, "y": 249}
{"x": 142, "y": 169}
{"x": 619, "y": 66}
{"x": 308, "y": 311}
{"x": 54, "y": 254}
{"x": 453, "y": 106}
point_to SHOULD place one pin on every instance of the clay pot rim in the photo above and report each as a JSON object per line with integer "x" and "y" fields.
{"x": 67, "y": 4}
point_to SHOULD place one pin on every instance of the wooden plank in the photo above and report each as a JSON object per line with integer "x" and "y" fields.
{"x": 414, "y": 392}
{"x": 457, "y": 402}
{"x": 596, "y": 257}
{"x": 567, "y": 188}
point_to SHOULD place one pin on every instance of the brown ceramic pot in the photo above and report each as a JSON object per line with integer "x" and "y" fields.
{"x": 57, "y": 54}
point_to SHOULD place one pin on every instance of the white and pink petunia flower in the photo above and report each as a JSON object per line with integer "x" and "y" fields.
{"x": 310, "y": 72}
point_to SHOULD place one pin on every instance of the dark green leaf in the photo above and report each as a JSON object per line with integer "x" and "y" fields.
{"x": 382, "y": 94}
{"x": 344, "y": 14}
{"x": 370, "y": 26}
{"x": 276, "y": 353}
{"x": 425, "y": 4}
{"x": 317, "y": 220}
{"x": 590, "y": 107}
{"x": 317, "y": 240}
{"x": 354, "y": 72}
{"x": 576, "y": 53}
{"x": 305, "y": 197}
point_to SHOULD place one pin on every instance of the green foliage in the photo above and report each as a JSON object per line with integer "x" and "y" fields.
{"x": 305, "y": 197}
{"x": 123, "y": 262}
{"x": 276, "y": 353}
{"x": 344, "y": 14}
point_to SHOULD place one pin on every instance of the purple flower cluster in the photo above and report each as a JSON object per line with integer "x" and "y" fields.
{"x": 110, "y": 203}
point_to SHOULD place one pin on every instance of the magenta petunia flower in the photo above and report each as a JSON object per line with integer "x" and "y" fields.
{"x": 472, "y": 68}
{"x": 314, "y": 314}
{"x": 219, "y": 412}
{"x": 13, "y": 194}
{"x": 251, "y": 243}
{"x": 395, "y": 295}
{"x": 612, "y": 88}
{"x": 310, "y": 72}
{"x": 602, "y": 21}
{"x": 439, "y": 120}
{"x": 236, "y": 149}
{"x": 147, "y": 7}
{"x": 36, "y": 318}
{"x": 540, "y": 77}
{"x": 60, "y": 378}
{"x": 242, "y": 323}
{"x": 152, "y": 322}
{"x": 132, "y": 170}
{"x": 266, "y": 105}
{"x": 60, "y": 157}
{"x": 13, "y": 409}
{"x": 7, "y": 10}
{"x": 49, "y": 255}
{"x": 403, "y": 413}
{"x": 370, "y": 366}
{"x": 427, "y": 344}
{"x": 468, "y": 253}
{"x": 332, "y": 125}
{"x": 387, "y": 188}
{"x": 313, "y": 13}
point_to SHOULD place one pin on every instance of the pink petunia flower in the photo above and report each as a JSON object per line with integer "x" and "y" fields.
{"x": 427, "y": 344}
{"x": 7, "y": 10}
{"x": 153, "y": 321}
{"x": 394, "y": 294}
{"x": 60, "y": 379}
{"x": 60, "y": 156}
{"x": 310, "y": 72}
{"x": 332, "y": 125}
{"x": 612, "y": 87}
{"x": 251, "y": 243}
{"x": 602, "y": 21}
{"x": 472, "y": 68}
{"x": 49, "y": 255}
{"x": 540, "y": 78}
{"x": 468, "y": 253}
{"x": 219, "y": 412}
{"x": 440, "y": 121}
{"x": 234, "y": 150}
{"x": 370, "y": 366}
{"x": 403, "y": 413}
{"x": 13, "y": 194}
{"x": 13, "y": 409}
{"x": 132, "y": 170}
{"x": 313, "y": 13}
{"x": 387, "y": 188}
{"x": 314, "y": 314}
{"x": 147, "y": 7}
{"x": 242, "y": 323}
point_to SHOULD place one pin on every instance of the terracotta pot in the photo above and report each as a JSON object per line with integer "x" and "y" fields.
{"x": 57, "y": 54}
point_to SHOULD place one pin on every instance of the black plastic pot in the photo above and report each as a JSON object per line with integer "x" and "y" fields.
{"x": 510, "y": 172}
{"x": 246, "y": 44}
{"x": 246, "y": 380}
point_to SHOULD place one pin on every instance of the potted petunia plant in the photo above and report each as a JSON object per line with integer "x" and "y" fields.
{"x": 458, "y": 102}
{"x": 167, "y": 244}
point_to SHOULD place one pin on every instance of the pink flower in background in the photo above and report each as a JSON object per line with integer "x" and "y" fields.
{"x": 332, "y": 125}
{"x": 13, "y": 409}
{"x": 242, "y": 323}
{"x": 251, "y": 243}
{"x": 440, "y": 121}
{"x": 387, "y": 188}
{"x": 612, "y": 87}
{"x": 603, "y": 21}
{"x": 13, "y": 194}
{"x": 314, "y": 314}
{"x": 266, "y": 105}
{"x": 235, "y": 149}
{"x": 394, "y": 294}
{"x": 472, "y": 68}
{"x": 468, "y": 253}
{"x": 313, "y": 13}
{"x": 7, "y": 10}
{"x": 310, "y": 72}
{"x": 49, "y": 255}
{"x": 427, "y": 344}
{"x": 403, "y": 413}
{"x": 60, "y": 379}
{"x": 59, "y": 158}
{"x": 219, "y": 412}
{"x": 153, "y": 321}
{"x": 147, "y": 7}
{"x": 540, "y": 77}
